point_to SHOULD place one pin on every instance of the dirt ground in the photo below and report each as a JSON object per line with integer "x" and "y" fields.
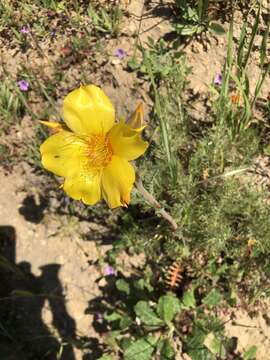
{"x": 53, "y": 249}
{"x": 56, "y": 254}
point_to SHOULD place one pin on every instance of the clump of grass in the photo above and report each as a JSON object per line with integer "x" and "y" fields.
{"x": 12, "y": 106}
{"x": 105, "y": 20}
{"x": 236, "y": 101}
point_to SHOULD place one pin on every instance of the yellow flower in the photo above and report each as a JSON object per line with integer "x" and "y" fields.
{"x": 93, "y": 152}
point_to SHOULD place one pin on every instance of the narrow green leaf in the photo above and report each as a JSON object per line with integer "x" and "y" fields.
{"x": 241, "y": 45}
{"x": 168, "y": 307}
{"x": 22, "y": 293}
{"x": 260, "y": 84}
{"x": 250, "y": 354}
{"x": 263, "y": 49}
{"x": 146, "y": 314}
{"x": 252, "y": 37}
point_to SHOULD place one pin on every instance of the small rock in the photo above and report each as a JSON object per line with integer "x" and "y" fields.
{"x": 116, "y": 61}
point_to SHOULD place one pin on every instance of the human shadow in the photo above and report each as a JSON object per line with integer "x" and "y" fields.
{"x": 24, "y": 335}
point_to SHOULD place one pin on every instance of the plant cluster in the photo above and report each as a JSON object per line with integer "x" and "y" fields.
{"x": 200, "y": 171}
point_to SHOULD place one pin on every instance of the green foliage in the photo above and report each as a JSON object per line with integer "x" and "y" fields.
{"x": 202, "y": 174}
{"x": 155, "y": 325}
{"x": 140, "y": 349}
{"x": 188, "y": 300}
{"x": 236, "y": 103}
{"x": 212, "y": 299}
{"x": 106, "y": 21}
{"x": 11, "y": 104}
{"x": 194, "y": 18}
{"x": 199, "y": 171}
{"x": 250, "y": 354}
{"x": 146, "y": 314}
{"x": 168, "y": 307}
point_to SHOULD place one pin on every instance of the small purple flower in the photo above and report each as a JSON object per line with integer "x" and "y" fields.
{"x": 23, "y": 85}
{"x": 99, "y": 317}
{"x": 109, "y": 270}
{"x": 25, "y": 30}
{"x": 120, "y": 53}
{"x": 218, "y": 79}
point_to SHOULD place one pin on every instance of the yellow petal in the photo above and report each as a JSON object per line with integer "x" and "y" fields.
{"x": 87, "y": 110}
{"x": 117, "y": 181}
{"x": 85, "y": 187}
{"x": 126, "y": 142}
{"x": 136, "y": 120}
{"x": 54, "y": 126}
{"x": 63, "y": 153}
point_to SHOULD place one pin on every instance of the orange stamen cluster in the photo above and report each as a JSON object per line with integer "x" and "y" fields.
{"x": 99, "y": 151}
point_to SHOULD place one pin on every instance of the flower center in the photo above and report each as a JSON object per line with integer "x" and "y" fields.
{"x": 99, "y": 151}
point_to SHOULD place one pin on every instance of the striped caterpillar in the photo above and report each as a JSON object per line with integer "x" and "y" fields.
{"x": 173, "y": 276}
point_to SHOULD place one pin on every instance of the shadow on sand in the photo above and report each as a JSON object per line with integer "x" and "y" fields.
{"x": 23, "y": 296}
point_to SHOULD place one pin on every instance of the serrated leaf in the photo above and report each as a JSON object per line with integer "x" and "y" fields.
{"x": 250, "y": 354}
{"x": 168, "y": 307}
{"x": 146, "y": 314}
{"x": 141, "y": 349}
{"x": 188, "y": 300}
{"x": 123, "y": 286}
{"x": 213, "y": 298}
{"x": 167, "y": 351}
{"x": 196, "y": 338}
{"x": 217, "y": 28}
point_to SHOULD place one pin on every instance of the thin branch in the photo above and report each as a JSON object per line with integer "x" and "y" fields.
{"x": 152, "y": 201}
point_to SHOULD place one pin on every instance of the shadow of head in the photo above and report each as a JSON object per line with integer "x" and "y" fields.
{"x": 31, "y": 210}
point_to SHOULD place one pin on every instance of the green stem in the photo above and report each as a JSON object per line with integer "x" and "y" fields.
{"x": 152, "y": 201}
